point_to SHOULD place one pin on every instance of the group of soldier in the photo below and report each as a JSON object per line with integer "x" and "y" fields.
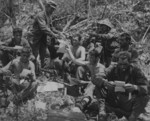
{"x": 105, "y": 63}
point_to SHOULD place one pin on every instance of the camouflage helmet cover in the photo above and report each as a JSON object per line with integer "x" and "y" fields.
{"x": 106, "y": 22}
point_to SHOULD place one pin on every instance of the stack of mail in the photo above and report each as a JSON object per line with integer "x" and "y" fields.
{"x": 119, "y": 86}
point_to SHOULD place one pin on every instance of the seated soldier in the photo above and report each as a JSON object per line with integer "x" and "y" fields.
{"x": 16, "y": 40}
{"x": 97, "y": 70}
{"x": 65, "y": 64}
{"x": 125, "y": 45}
{"x": 130, "y": 99}
{"x": 24, "y": 80}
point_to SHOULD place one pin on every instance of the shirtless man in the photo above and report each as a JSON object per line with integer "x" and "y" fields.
{"x": 97, "y": 72}
{"x": 22, "y": 68}
{"x": 65, "y": 64}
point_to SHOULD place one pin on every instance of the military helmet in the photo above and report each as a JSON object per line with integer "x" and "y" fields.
{"x": 105, "y": 22}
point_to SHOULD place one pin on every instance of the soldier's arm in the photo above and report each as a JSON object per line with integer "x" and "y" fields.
{"x": 54, "y": 30}
{"x": 7, "y": 42}
{"x": 32, "y": 67}
{"x": 100, "y": 78}
{"x": 82, "y": 57}
{"x": 44, "y": 27}
{"x": 141, "y": 81}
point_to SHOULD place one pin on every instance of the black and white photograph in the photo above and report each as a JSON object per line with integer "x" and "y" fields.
{"x": 74, "y": 60}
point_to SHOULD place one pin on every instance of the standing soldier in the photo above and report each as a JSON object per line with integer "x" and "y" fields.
{"x": 107, "y": 39}
{"x": 42, "y": 28}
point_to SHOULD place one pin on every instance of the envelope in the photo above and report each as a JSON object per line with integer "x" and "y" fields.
{"x": 62, "y": 46}
{"x": 119, "y": 83}
{"x": 17, "y": 47}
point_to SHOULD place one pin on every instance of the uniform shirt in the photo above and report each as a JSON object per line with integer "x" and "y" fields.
{"x": 132, "y": 75}
{"x": 41, "y": 26}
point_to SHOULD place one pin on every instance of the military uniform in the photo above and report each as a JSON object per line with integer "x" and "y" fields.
{"x": 135, "y": 106}
{"x": 42, "y": 28}
{"x": 131, "y": 100}
{"x": 107, "y": 40}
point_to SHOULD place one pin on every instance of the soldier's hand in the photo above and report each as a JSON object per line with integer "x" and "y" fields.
{"x": 130, "y": 87}
{"x": 68, "y": 48}
{"x": 56, "y": 35}
{"x": 109, "y": 85}
{"x": 62, "y": 35}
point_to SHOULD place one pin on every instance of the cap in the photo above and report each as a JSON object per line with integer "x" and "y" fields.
{"x": 52, "y": 4}
{"x": 105, "y": 22}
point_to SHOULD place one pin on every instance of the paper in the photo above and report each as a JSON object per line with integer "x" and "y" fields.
{"x": 119, "y": 83}
{"x": 62, "y": 46}
{"x": 21, "y": 81}
{"x": 119, "y": 86}
{"x": 119, "y": 89}
{"x": 49, "y": 87}
{"x": 18, "y": 47}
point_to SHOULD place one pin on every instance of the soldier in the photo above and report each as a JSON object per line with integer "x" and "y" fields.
{"x": 21, "y": 68}
{"x": 97, "y": 70}
{"x": 104, "y": 35}
{"x": 66, "y": 63}
{"x": 41, "y": 29}
{"x": 129, "y": 101}
{"x": 17, "y": 40}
